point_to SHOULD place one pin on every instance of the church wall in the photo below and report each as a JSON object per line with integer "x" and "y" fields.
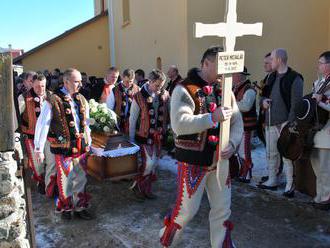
{"x": 157, "y": 28}
{"x": 86, "y": 49}
{"x": 329, "y": 31}
{"x": 303, "y": 29}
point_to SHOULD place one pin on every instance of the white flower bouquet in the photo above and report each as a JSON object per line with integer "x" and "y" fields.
{"x": 101, "y": 118}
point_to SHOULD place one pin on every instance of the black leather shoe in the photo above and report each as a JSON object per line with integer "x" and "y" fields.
{"x": 272, "y": 188}
{"x": 83, "y": 214}
{"x": 290, "y": 193}
{"x": 66, "y": 215}
{"x": 263, "y": 179}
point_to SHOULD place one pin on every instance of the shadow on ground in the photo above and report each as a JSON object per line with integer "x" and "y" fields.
{"x": 260, "y": 219}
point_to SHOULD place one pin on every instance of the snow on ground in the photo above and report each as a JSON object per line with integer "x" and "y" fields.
{"x": 258, "y": 157}
{"x": 259, "y": 169}
{"x": 168, "y": 163}
{"x": 262, "y": 218}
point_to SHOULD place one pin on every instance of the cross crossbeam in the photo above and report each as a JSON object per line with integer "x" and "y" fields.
{"x": 230, "y": 30}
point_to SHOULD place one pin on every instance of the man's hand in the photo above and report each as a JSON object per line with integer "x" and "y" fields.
{"x": 222, "y": 114}
{"x": 266, "y": 103}
{"x": 227, "y": 152}
{"x": 317, "y": 97}
{"x": 39, "y": 157}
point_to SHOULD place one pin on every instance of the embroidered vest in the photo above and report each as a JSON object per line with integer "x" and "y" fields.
{"x": 31, "y": 113}
{"x": 119, "y": 94}
{"x": 148, "y": 122}
{"x": 65, "y": 139}
{"x": 121, "y": 104}
{"x": 196, "y": 148}
{"x": 250, "y": 117}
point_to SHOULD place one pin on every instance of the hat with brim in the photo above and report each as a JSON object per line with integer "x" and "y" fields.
{"x": 305, "y": 109}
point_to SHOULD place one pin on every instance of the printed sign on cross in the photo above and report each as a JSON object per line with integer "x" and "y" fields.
{"x": 229, "y": 62}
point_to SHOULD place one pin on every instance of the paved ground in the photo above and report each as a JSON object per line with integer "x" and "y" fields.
{"x": 261, "y": 219}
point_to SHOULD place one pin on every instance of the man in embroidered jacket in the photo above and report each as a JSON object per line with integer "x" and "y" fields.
{"x": 121, "y": 97}
{"x": 64, "y": 115}
{"x": 195, "y": 117}
{"x": 30, "y": 104}
{"x": 320, "y": 156}
{"x": 148, "y": 125}
{"x": 246, "y": 101}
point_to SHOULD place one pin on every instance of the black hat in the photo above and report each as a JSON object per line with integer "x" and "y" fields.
{"x": 245, "y": 72}
{"x": 305, "y": 109}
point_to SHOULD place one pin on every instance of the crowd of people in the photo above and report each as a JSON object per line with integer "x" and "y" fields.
{"x": 54, "y": 120}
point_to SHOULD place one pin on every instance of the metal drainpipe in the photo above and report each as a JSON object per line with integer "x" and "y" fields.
{"x": 111, "y": 33}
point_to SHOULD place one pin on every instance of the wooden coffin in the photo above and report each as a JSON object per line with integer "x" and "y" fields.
{"x": 100, "y": 140}
{"x": 114, "y": 168}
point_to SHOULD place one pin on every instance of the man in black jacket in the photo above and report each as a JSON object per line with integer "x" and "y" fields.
{"x": 175, "y": 78}
{"x": 284, "y": 88}
{"x": 101, "y": 90}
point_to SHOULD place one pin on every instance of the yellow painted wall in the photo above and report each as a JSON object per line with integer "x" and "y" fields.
{"x": 329, "y": 31}
{"x": 157, "y": 29}
{"x": 302, "y": 27}
{"x": 86, "y": 49}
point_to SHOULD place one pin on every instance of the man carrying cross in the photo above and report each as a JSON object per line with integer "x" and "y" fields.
{"x": 196, "y": 112}
{"x": 198, "y": 106}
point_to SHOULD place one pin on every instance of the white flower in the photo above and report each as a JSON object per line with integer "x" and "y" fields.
{"x": 93, "y": 110}
{"x": 106, "y": 129}
{"x": 102, "y": 106}
{"x": 103, "y": 119}
{"x": 92, "y": 102}
{"x": 113, "y": 115}
{"x": 105, "y": 111}
{"x": 91, "y": 121}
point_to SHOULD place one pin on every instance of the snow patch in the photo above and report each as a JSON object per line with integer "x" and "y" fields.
{"x": 168, "y": 163}
{"x": 45, "y": 237}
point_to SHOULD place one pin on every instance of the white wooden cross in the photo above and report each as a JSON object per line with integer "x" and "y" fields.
{"x": 230, "y": 30}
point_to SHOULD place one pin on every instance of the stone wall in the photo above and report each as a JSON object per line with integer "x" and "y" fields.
{"x": 12, "y": 205}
